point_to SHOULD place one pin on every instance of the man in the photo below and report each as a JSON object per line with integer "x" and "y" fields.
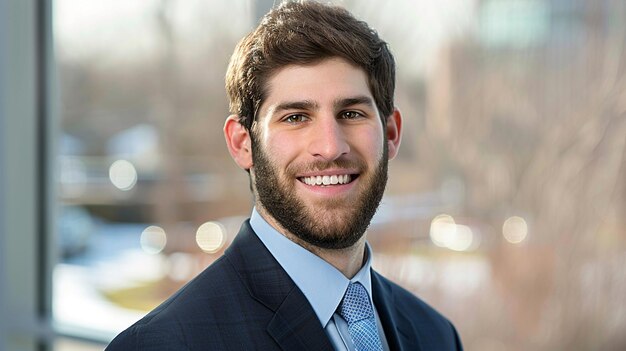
{"x": 314, "y": 124}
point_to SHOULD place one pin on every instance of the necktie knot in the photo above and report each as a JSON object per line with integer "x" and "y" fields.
{"x": 357, "y": 310}
{"x": 356, "y": 304}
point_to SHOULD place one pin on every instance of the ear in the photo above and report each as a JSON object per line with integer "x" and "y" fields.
{"x": 238, "y": 142}
{"x": 394, "y": 132}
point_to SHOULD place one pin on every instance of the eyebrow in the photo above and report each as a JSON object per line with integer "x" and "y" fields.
{"x": 351, "y": 101}
{"x": 296, "y": 105}
{"x": 312, "y": 105}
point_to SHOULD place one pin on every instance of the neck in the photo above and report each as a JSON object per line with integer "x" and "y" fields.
{"x": 348, "y": 260}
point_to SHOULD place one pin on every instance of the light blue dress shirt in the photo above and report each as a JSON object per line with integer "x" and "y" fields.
{"x": 321, "y": 283}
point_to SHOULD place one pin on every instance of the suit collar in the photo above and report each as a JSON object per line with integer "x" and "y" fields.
{"x": 392, "y": 318}
{"x": 298, "y": 263}
{"x": 295, "y": 325}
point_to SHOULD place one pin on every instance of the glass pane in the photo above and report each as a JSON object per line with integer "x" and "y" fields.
{"x": 504, "y": 208}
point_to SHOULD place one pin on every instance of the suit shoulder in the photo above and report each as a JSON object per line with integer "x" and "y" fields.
{"x": 212, "y": 285}
{"x": 406, "y": 301}
{"x": 202, "y": 301}
{"x": 419, "y": 320}
{"x": 136, "y": 337}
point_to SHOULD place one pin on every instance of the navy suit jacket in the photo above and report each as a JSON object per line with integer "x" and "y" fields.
{"x": 246, "y": 301}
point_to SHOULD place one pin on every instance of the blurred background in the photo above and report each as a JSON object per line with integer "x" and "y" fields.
{"x": 505, "y": 208}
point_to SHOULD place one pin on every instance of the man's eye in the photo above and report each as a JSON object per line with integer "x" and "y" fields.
{"x": 351, "y": 115}
{"x": 295, "y": 119}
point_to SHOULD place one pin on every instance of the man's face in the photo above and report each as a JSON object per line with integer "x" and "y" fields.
{"x": 319, "y": 153}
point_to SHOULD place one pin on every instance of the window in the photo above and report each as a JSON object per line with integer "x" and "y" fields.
{"x": 504, "y": 208}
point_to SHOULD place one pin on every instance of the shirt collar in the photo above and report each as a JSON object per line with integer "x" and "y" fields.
{"x": 321, "y": 283}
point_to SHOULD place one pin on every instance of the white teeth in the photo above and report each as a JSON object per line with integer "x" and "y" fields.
{"x": 327, "y": 180}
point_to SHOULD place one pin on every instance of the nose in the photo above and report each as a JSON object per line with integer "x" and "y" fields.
{"x": 328, "y": 140}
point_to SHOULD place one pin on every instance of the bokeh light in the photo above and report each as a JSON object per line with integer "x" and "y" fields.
{"x": 442, "y": 230}
{"x": 515, "y": 229}
{"x": 462, "y": 240}
{"x": 123, "y": 175}
{"x": 153, "y": 239}
{"x": 211, "y": 237}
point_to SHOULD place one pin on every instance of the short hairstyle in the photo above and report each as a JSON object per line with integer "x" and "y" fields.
{"x": 306, "y": 32}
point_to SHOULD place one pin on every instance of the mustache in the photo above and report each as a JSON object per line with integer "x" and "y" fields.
{"x": 319, "y": 165}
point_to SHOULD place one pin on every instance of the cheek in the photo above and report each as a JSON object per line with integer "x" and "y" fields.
{"x": 281, "y": 148}
{"x": 369, "y": 143}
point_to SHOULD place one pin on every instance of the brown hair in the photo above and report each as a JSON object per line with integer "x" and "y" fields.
{"x": 306, "y": 32}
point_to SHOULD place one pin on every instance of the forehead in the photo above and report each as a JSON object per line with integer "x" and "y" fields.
{"x": 322, "y": 82}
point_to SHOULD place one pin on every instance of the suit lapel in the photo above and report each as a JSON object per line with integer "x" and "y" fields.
{"x": 294, "y": 325}
{"x": 393, "y": 320}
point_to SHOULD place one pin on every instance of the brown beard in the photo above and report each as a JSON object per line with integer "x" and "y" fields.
{"x": 322, "y": 229}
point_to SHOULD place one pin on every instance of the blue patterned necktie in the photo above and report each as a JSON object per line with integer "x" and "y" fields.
{"x": 357, "y": 310}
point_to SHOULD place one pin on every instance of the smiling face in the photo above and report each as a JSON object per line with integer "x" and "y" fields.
{"x": 320, "y": 152}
